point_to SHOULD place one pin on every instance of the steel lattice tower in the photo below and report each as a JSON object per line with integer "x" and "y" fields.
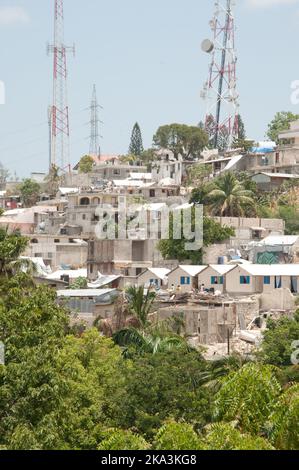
{"x": 220, "y": 90}
{"x": 60, "y": 149}
{"x": 94, "y": 147}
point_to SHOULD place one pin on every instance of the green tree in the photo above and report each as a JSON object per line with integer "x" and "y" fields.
{"x": 247, "y": 397}
{"x": 148, "y": 157}
{"x": 197, "y": 175}
{"x": 187, "y": 141}
{"x": 140, "y": 305}
{"x": 30, "y": 192}
{"x": 52, "y": 387}
{"x": 285, "y": 420}
{"x": 159, "y": 387}
{"x": 223, "y": 436}
{"x": 213, "y": 232}
{"x": 53, "y": 180}
{"x": 229, "y": 198}
{"x": 86, "y": 164}
{"x": 276, "y": 347}
{"x": 12, "y": 245}
{"x": 145, "y": 337}
{"x": 4, "y": 174}
{"x": 241, "y": 128}
{"x": 118, "y": 439}
{"x": 177, "y": 436}
{"x": 136, "y": 144}
{"x": 80, "y": 283}
{"x": 200, "y": 194}
{"x": 281, "y": 122}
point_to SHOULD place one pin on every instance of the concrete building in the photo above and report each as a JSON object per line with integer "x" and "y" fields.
{"x": 24, "y": 220}
{"x": 211, "y": 323}
{"x": 156, "y": 277}
{"x": 274, "y": 249}
{"x": 185, "y": 277}
{"x": 167, "y": 167}
{"x": 214, "y": 277}
{"x": 88, "y": 304}
{"x": 67, "y": 275}
{"x": 129, "y": 258}
{"x": 257, "y": 279}
{"x": 59, "y": 250}
{"x": 272, "y": 181}
{"x": 284, "y": 158}
{"x": 103, "y": 171}
{"x": 247, "y": 230}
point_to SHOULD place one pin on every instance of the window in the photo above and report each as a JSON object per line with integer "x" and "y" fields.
{"x": 257, "y": 234}
{"x": 83, "y": 216}
{"x": 154, "y": 282}
{"x": 277, "y": 159}
{"x": 185, "y": 281}
{"x": 91, "y": 248}
{"x": 217, "y": 280}
{"x": 244, "y": 280}
{"x": 152, "y": 193}
{"x": 56, "y": 240}
{"x": 84, "y": 201}
{"x": 267, "y": 280}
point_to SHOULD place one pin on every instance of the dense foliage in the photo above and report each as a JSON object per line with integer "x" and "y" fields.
{"x": 86, "y": 164}
{"x": 213, "y": 232}
{"x": 30, "y": 192}
{"x": 187, "y": 141}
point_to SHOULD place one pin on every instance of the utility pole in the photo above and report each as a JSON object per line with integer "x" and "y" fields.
{"x": 220, "y": 90}
{"x": 60, "y": 127}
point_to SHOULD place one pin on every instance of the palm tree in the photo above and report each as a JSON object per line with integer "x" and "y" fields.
{"x": 11, "y": 248}
{"x": 229, "y": 198}
{"x": 145, "y": 337}
{"x": 148, "y": 342}
{"x": 140, "y": 305}
{"x": 53, "y": 180}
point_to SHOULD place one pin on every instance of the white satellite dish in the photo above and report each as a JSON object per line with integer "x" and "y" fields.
{"x": 207, "y": 46}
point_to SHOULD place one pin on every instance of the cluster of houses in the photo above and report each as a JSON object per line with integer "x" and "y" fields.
{"x": 258, "y": 260}
{"x": 233, "y": 279}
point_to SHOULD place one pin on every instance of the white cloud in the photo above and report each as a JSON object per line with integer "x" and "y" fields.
{"x": 13, "y": 15}
{"x": 269, "y": 3}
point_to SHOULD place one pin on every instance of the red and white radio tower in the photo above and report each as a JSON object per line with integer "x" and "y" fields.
{"x": 60, "y": 127}
{"x": 220, "y": 90}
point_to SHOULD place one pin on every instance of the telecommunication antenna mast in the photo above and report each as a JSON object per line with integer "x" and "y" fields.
{"x": 60, "y": 149}
{"x": 220, "y": 90}
{"x": 94, "y": 147}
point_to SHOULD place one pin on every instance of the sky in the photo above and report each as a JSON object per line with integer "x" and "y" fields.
{"x": 145, "y": 58}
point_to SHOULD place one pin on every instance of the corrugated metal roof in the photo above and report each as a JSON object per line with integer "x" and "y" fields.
{"x": 73, "y": 274}
{"x": 103, "y": 281}
{"x": 274, "y": 240}
{"x": 271, "y": 270}
{"x": 233, "y": 162}
{"x": 84, "y": 292}
{"x": 222, "y": 268}
{"x": 161, "y": 273}
{"x": 192, "y": 270}
{"x": 278, "y": 175}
